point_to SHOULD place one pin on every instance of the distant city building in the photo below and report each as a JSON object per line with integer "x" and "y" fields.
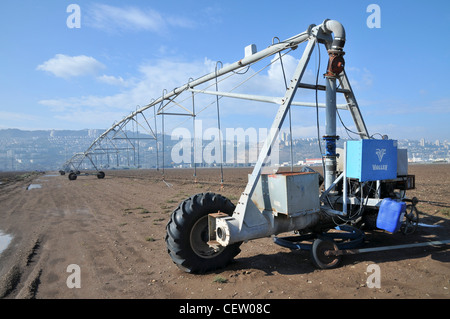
{"x": 48, "y": 150}
{"x": 313, "y": 161}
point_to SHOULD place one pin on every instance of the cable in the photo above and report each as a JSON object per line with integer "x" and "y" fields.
{"x": 346, "y": 128}
{"x": 317, "y": 110}
{"x": 219, "y": 131}
{"x": 243, "y": 72}
{"x": 290, "y": 116}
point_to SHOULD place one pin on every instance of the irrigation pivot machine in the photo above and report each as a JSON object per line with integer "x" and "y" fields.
{"x": 364, "y": 183}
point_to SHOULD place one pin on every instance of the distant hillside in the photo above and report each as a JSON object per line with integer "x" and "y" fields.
{"x": 41, "y": 149}
{"x": 16, "y": 133}
{"x": 22, "y": 150}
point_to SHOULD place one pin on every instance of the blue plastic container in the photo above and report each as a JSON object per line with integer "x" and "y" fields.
{"x": 390, "y": 215}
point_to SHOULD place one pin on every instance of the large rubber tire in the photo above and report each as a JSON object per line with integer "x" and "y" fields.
{"x": 101, "y": 175}
{"x": 72, "y": 176}
{"x": 187, "y": 234}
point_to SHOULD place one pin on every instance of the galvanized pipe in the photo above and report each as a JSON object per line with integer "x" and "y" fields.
{"x": 229, "y": 230}
{"x": 271, "y": 50}
{"x": 328, "y": 26}
{"x": 330, "y": 132}
{"x": 330, "y": 119}
{"x": 335, "y": 67}
{"x": 247, "y": 221}
{"x": 266, "y": 99}
{"x": 335, "y": 27}
{"x": 384, "y": 248}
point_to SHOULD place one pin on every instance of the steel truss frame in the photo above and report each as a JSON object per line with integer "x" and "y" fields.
{"x": 121, "y": 146}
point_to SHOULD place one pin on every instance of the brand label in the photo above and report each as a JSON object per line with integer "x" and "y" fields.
{"x": 380, "y": 153}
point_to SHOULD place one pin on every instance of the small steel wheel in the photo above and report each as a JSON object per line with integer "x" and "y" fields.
{"x": 411, "y": 220}
{"x": 320, "y": 256}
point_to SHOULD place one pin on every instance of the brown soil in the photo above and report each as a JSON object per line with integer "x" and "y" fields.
{"x": 114, "y": 230}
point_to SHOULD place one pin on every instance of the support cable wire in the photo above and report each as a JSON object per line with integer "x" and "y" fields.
{"x": 363, "y": 200}
{"x": 156, "y": 140}
{"x": 342, "y": 122}
{"x": 220, "y": 97}
{"x": 290, "y": 116}
{"x": 347, "y": 130}
{"x": 171, "y": 103}
{"x": 207, "y": 87}
{"x": 244, "y": 81}
{"x": 194, "y": 140}
{"x": 218, "y": 126}
{"x": 162, "y": 126}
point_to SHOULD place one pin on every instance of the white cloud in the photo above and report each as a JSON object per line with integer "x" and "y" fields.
{"x": 65, "y": 66}
{"x": 113, "y": 80}
{"x": 164, "y": 74}
{"x": 110, "y": 18}
{"x": 14, "y": 116}
{"x": 167, "y": 74}
{"x": 360, "y": 78}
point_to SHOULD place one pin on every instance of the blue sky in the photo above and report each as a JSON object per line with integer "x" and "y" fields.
{"x": 125, "y": 53}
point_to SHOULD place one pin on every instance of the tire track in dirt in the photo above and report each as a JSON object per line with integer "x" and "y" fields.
{"x": 124, "y": 226}
{"x": 21, "y": 260}
{"x": 94, "y": 225}
{"x": 22, "y": 279}
{"x": 69, "y": 219}
{"x": 114, "y": 229}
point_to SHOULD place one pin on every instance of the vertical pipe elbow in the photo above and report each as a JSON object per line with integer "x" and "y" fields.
{"x": 335, "y": 27}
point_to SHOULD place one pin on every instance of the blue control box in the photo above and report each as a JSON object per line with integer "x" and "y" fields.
{"x": 371, "y": 160}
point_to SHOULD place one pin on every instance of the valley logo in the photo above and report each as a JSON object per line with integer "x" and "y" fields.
{"x": 380, "y": 153}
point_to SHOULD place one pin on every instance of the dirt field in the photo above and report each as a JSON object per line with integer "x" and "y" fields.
{"x": 114, "y": 230}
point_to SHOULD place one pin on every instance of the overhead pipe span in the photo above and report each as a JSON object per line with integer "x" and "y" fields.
{"x": 327, "y": 27}
{"x": 275, "y": 48}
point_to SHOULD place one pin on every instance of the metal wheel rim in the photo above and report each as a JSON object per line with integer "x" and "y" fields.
{"x": 328, "y": 260}
{"x": 411, "y": 220}
{"x": 199, "y": 237}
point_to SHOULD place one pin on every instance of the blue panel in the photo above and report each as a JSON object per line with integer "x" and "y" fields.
{"x": 371, "y": 160}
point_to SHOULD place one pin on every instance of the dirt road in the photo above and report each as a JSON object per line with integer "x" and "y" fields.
{"x": 113, "y": 230}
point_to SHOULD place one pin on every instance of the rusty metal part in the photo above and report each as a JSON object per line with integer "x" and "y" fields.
{"x": 336, "y": 63}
